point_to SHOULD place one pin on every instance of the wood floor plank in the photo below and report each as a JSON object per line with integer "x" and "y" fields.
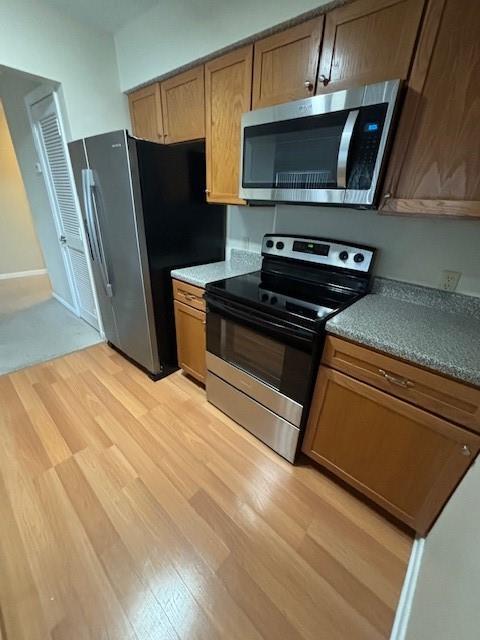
{"x": 294, "y": 587}
{"x": 80, "y": 568}
{"x": 226, "y": 616}
{"x": 346, "y": 583}
{"x": 21, "y": 612}
{"x": 28, "y": 448}
{"x": 46, "y": 429}
{"x": 61, "y": 415}
{"x": 136, "y": 510}
{"x": 152, "y": 560}
{"x": 268, "y": 619}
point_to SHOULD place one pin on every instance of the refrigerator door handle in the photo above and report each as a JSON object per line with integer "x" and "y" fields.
{"x": 88, "y": 186}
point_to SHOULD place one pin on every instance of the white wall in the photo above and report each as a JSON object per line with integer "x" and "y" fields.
{"x": 19, "y": 248}
{"x": 410, "y": 249}
{"x": 39, "y": 40}
{"x": 13, "y": 88}
{"x": 169, "y": 36}
{"x": 446, "y": 600}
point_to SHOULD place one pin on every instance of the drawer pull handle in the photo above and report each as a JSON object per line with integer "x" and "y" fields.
{"x": 466, "y": 451}
{"x": 188, "y": 296}
{"x": 400, "y": 382}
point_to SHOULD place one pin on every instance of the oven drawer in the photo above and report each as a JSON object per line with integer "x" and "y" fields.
{"x": 188, "y": 294}
{"x": 445, "y": 397}
{"x": 274, "y": 431}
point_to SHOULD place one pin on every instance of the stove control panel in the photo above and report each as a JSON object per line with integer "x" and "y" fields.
{"x": 319, "y": 251}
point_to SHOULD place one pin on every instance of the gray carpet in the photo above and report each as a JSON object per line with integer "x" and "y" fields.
{"x": 34, "y": 327}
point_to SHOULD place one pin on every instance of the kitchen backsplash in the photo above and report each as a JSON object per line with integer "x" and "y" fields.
{"x": 412, "y": 249}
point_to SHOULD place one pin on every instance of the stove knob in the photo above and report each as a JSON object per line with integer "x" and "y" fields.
{"x": 269, "y": 244}
{"x": 280, "y": 245}
{"x": 358, "y": 257}
{"x": 343, "y": 255}
{"x": 264, "y": 297}
{"x": 273, "y": 300}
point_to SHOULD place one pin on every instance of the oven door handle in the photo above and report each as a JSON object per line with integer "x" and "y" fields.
{"x": 344, "y": 148}
{"x": 255, "y": 320}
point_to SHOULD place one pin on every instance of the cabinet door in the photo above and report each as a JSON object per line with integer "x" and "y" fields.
{"x": 191, "y": 342}
{"x": 368, "y": 41}
{"x": 285, "y": 64}
{"x": 183, "y": 106}
{"x": 228, "y": 94}
{"x": 434, "y": 167}
{"x": 146, "y": 113}
{"x": 402, "y": 457}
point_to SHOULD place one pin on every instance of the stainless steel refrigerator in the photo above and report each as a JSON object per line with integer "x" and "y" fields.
{"x": 145, "y": 213}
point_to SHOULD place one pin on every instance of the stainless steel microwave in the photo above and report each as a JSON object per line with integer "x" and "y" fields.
{"x": 329, "y": 149}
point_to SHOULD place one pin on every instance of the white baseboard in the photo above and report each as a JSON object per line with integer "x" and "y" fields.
{"x": 23, "y": 274}
{"x": 65, "y": 303}
{"x": 404, "y": 608}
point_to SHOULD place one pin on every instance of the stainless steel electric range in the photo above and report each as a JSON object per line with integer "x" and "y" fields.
{"x": 265, "y": 332}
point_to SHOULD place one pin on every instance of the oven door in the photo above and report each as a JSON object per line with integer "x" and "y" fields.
{"x": 268, "y": 360}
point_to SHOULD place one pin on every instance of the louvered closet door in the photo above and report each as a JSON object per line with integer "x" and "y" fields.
{"x": 61, "y": 188}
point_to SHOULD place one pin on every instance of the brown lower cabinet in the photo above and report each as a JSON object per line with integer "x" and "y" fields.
{"x": 190, "y": 320}
{"x": 406, "y": 459}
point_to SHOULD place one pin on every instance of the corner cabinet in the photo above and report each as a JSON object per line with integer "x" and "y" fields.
{"x": 183, "y": 106}
{"x": 434, "y": 167}
{"x": 228, "y": 94}
{"x": 146, "y": 113}
{"x": 404, "y": 458}
{"x": 285, "y": 64}
{"x": 368, "y": 41}
{"x": 190, "y": 321}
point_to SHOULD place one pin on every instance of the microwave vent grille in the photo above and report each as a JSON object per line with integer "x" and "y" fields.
{"x": 302, "y": 179}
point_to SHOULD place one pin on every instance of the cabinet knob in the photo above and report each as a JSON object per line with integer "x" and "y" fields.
{"x": 207, "y": 191}
{"x": 308, "y": 85}
{"x": 466, "y": 451}
{"x": 323, "y": 79}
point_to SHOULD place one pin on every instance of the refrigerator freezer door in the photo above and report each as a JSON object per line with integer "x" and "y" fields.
{"x": 78, "y": 159}
{"x": 121, "y": 240}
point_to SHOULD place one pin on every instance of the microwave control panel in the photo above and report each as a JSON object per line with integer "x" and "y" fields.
{"x": 365, "y": 146}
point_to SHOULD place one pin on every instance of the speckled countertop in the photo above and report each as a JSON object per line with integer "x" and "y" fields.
{"x": 240, "y": 262}
{"x": 432, "y": 328}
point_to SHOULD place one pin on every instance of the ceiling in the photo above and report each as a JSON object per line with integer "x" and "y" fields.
{"x": 103, "y": 15}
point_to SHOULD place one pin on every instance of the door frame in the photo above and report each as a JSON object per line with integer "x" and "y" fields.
{"x": 38, "y": 94}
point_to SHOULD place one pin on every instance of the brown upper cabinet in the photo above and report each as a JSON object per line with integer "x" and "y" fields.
{"x": 285, "y": 64}
{"x": 228, "y": 94}
{"x": 146, "y": 113}
{"x": 368, "y": 41}
{"x": 435, "y": 163}
{"x": 183, "y": 106}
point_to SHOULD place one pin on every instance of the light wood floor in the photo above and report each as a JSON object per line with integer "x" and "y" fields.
{"x": 133, "y": 509}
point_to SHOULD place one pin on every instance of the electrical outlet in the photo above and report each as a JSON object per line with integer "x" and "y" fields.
{"x": 450, "y": 280}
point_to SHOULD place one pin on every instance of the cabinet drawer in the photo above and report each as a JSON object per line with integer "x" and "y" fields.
{"x": 447, "y": 398}
{"x": 405, "y": 459}
{"x": 189, "y": 294}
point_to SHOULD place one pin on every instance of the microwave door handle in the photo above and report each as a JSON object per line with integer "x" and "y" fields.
{"x": 344, "y": 148}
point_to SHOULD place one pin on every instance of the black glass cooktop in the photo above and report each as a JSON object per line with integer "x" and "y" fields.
{"x": 288, "y": 297}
